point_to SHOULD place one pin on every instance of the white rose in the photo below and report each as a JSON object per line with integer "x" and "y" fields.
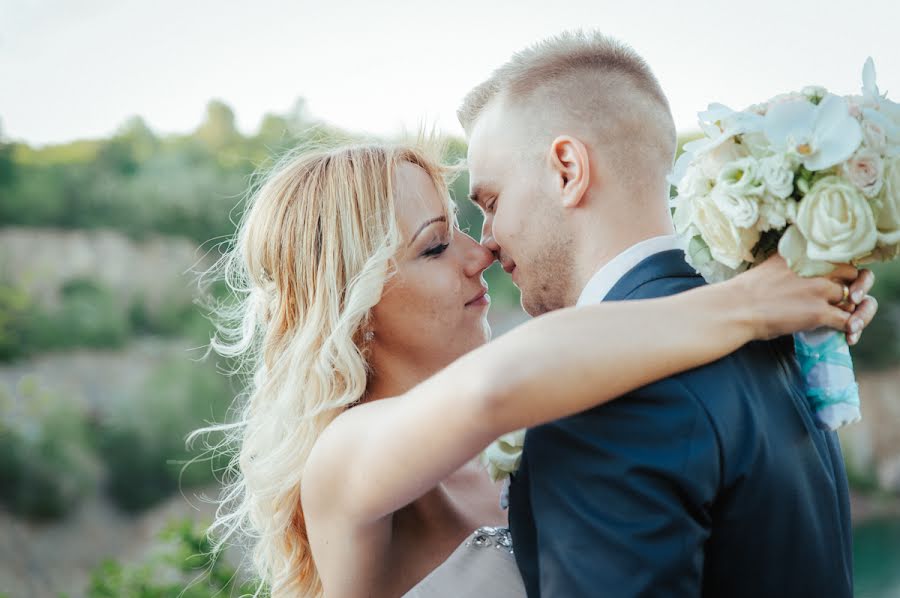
{"x": 694, "y": 182}
{"x": 793, "y": 247}
{"x": 740, "y": 177}
{"x": 777, "y": 172}
{"x": 502, "y": 457}
{"x": 874, "y": 135}
{"x": 698, "y": 256}
{"x": 880, "y": 132}
{"x": 727, "y": 243}
{"x": 865, "y": 169}
{"x": 742, "y": 210}
{"x": 683, "y": 213}
{"x": 836, "y": 221}
{"x": 775, "y": 213}
{"x": 888, "y": 219}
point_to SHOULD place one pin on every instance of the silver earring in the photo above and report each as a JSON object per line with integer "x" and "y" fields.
{"x": 369, "y": 335}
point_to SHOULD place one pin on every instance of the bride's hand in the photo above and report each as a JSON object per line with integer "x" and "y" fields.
{"x": 782, "y": 302}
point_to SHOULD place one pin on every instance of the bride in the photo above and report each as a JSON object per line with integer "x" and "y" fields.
{"x": 374, "y": 387}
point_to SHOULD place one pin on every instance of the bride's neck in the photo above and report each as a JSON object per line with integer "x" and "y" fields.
{"x": 394, "y": 378}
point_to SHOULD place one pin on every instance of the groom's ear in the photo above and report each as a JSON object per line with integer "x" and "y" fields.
{"x": 572, "y": 169}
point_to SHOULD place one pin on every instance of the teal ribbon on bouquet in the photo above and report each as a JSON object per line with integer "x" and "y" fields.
{"x": 830, "y": 382}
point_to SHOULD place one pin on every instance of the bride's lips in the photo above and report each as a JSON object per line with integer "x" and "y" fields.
{"x": 480, "y": 300}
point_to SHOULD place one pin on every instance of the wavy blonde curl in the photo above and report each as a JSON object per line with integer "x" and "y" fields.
{"x": 309, "y": 260}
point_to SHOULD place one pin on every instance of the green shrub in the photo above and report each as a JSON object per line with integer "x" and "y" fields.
{"x": 172, "y": 319}
{"x": 879, "y": 346}
{"x": 45, "y": 460}
{"x": 186, "y": 568}
{"x": 15, "y": 308}
{"x": 143, "y": 443}
{"x": 90, "y": 315}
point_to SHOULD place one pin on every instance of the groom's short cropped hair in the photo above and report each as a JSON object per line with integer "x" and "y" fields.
{"x": 587, "y": 74}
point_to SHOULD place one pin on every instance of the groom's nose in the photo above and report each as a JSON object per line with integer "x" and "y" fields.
{"x": 487, "y": 237}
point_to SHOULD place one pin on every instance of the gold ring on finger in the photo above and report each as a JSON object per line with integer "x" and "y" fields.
{"x": 846, "y": 295}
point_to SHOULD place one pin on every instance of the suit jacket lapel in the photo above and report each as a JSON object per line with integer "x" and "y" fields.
{"x": 667, "y": 264}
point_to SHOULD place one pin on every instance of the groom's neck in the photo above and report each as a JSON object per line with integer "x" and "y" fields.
{"x": 603, "y": 238}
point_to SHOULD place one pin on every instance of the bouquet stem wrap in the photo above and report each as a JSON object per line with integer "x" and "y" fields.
{"x": 830, "y": 382}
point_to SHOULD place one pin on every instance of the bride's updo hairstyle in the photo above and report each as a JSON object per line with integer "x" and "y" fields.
{"x": 309, "y": 261}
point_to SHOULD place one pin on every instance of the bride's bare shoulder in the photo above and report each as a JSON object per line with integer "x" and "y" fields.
{"x": 331, "y": 458}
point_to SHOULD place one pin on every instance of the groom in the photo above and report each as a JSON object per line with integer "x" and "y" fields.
{"x": 715, "y": 482}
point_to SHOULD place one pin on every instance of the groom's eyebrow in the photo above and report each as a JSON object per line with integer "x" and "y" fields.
{"x": 425, "y": 225}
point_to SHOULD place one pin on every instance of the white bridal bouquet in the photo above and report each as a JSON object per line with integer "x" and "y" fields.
{"x": 812, "y": 175}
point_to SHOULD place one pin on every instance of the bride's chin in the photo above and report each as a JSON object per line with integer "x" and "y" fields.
{"x": 486, "y": 332}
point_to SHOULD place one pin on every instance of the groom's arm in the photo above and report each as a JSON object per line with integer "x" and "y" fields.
{"x": 621, "y": 495}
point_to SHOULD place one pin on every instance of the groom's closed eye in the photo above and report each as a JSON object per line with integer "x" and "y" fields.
{"x": 480, "y": 194}
{"x": 484, "y": 202}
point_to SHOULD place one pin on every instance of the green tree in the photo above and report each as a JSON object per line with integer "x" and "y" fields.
{"x": 218, "y": 130}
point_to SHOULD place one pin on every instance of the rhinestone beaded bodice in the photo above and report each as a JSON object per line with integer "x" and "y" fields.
{"x": 482, "y": 565}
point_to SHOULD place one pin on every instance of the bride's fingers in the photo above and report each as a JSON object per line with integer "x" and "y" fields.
{"x": 835, "y": 317}
{"x": 835, "y": 292}
{"x": 861, "y": 286}
{"x": 863, "y": 316}
{"x": 844, "y": 273}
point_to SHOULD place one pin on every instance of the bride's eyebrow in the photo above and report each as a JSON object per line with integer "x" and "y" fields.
{"x": 425, "y": 225}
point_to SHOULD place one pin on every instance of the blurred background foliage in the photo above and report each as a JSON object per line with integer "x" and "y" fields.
{"x": 59, "y": 450}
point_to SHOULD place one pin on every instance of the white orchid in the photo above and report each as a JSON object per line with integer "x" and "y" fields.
{"x": 685, "y": 160}
{"x": 869, "y": 86}
{"x": 872, "y": 96}
{"x": 821, "y": 136}
{"x": 720, "y": 123}
{"x": 718, "y": 120}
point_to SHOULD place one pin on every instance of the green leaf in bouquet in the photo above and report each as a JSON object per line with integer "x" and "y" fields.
{"x": 767, "y": 245}
{"x": 699, "y": 251}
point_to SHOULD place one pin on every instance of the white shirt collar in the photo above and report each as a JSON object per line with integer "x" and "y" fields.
{"x": 607, "y": 276}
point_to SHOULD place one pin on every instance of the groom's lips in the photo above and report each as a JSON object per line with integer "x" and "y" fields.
{"x": 510, "y": 269}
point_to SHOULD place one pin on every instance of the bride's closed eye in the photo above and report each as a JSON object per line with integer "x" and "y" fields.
{"x": 435, "y": 250}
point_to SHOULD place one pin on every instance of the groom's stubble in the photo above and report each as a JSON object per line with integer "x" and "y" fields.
{"x": 601, "y": 93}
{"x": 556, "y": 248}
{"x": 532, "y": 229}
{"x": 551, "y": 280}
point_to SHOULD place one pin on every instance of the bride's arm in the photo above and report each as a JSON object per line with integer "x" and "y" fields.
{"x": 380, "y": 456}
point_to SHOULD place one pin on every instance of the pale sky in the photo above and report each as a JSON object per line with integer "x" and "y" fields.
{"x": 79, "y": 68}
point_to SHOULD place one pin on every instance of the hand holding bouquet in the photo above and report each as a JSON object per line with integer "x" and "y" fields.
{"x": 811, "y": 175}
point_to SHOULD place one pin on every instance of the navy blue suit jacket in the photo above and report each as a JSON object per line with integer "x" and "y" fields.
{"x": 714, "y": 482}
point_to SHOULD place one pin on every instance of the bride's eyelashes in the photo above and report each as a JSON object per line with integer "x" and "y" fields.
{"x": 435, "y": 250}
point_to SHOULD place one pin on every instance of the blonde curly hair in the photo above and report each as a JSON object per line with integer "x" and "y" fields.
{"x": 309, "y": 261}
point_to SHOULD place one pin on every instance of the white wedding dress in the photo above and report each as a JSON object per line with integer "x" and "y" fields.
{"x": 483, "y": 565}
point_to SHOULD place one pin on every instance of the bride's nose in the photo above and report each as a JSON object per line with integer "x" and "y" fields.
{"x": 478, "y": 258}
